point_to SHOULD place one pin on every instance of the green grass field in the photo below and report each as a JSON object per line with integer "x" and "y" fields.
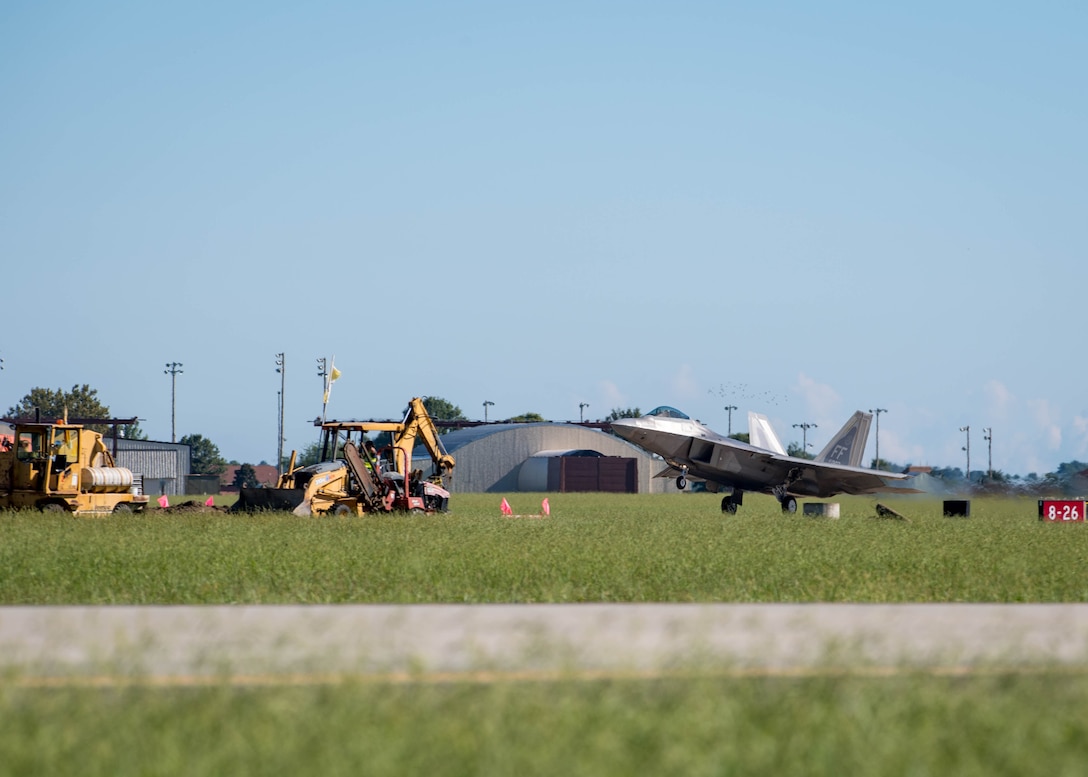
{"x": 676, "y": 547}
{"x": 593, "y": 548}
{"x": 914, "y": 725}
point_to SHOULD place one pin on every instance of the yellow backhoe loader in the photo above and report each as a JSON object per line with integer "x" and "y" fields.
{"x": 351, "y": 480}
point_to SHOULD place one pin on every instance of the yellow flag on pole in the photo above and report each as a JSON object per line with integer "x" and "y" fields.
{"x": 332, "y": 376}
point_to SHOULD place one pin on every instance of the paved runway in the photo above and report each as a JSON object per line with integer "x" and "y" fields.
{"x": 273, "y": 644}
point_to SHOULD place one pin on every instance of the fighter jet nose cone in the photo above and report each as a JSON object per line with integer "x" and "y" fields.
{"x": 625, "y": 428}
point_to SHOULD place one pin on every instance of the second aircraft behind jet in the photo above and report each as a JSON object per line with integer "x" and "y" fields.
{"x": 693, "y": 450}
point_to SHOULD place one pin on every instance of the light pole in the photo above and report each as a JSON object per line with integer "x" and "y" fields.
{"x": 487, "y": 403}
{"x": 581, "y": 407}
{"x": 804, "y": 434}
{"x": 323, "y": 373}
{"x": 173, "y": 369}
{"x": 968, "y": 449}
{"x": 988, "y": 436}
{"x": 281, "y": 368}
{"x": 877, "y": 412}
{"x": 729, "y": 409}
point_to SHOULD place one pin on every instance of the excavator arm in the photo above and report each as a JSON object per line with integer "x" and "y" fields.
{"x": 419, "y": 427}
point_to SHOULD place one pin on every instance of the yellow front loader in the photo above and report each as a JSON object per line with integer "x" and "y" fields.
{"x": 63, "y": 467}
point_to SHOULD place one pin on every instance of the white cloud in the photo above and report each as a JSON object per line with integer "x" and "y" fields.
{"x": 894, "y": 449}
{"x": 1035, "y": 463}
{"x": 1080, "y": 443}
{"x": 1000, "y": 399}
{"x": 820, "y": 400}
{"x": 684, "y": 384}
{"x": 1045, "y": 418}
{"x": 613, "y": 397}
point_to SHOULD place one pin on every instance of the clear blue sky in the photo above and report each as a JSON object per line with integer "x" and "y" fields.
{"x": 799, "y": 209}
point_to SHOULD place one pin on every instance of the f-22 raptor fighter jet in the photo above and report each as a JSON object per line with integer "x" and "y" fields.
{"x": 693, "y": 450}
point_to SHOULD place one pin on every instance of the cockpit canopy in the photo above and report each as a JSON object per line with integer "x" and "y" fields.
{"x": 664, "y": 411}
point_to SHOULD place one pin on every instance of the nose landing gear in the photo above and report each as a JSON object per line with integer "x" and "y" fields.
{"x": 789, "y": 503}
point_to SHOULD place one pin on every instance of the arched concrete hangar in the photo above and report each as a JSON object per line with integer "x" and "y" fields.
{"x": 547, "y": 456}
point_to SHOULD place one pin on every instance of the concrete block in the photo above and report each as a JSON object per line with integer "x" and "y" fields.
{"x": 957, "y": 508}
{"x": 821, "y": 509}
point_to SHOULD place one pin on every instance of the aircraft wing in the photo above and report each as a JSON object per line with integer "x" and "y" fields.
{"x": 822, "y": 480}
{"x": 733, "y": 466}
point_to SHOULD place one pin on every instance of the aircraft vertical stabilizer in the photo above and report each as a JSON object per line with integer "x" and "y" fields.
{"x": 761, "y": 434}
{"x": 848, "y": 446}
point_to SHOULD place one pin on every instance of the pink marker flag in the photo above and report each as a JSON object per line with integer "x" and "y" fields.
{"x": 505, "y": 507}
{"x": 164, "y": 502}
{"x": 209, "y": 502}
{"x": 545, "y": 508}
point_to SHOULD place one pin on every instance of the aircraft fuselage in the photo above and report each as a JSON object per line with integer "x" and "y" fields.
{"x": 692, "y": 449}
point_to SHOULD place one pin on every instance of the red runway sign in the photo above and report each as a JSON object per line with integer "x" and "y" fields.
{"x": 1060, "y": 511}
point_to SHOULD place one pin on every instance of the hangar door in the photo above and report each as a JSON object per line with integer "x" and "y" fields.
{"x": 613, "y": 474}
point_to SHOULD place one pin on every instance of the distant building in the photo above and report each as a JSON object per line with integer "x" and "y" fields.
{"x": 266, "y": 476}
{"x": 546, "y": 457}
{"x": 161, "y": 467}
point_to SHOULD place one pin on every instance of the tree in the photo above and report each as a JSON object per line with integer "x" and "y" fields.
{"x": 948, "y": 474}
{"x": 132, "y": 432}
{"x": 885, "y": 465}
{"x": 204, "y": 456}
{"x": 742, "y": 436}
{"x": 794, "y": 449}
{"x": 1067, "y": 470}
{"x": 441, "y": 410}
{"x": 311, "y": 454}
{"x": 80, "y": 402}
{"x": 527, "y": 418}
{"x": 245, "y": 477}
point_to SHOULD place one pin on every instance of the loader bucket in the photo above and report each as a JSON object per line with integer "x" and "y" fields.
{"x": 251, "y": 500}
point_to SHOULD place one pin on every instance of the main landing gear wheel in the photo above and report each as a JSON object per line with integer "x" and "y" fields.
{"x": 789, "y": 504}
{"x": 728, "y": 505}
